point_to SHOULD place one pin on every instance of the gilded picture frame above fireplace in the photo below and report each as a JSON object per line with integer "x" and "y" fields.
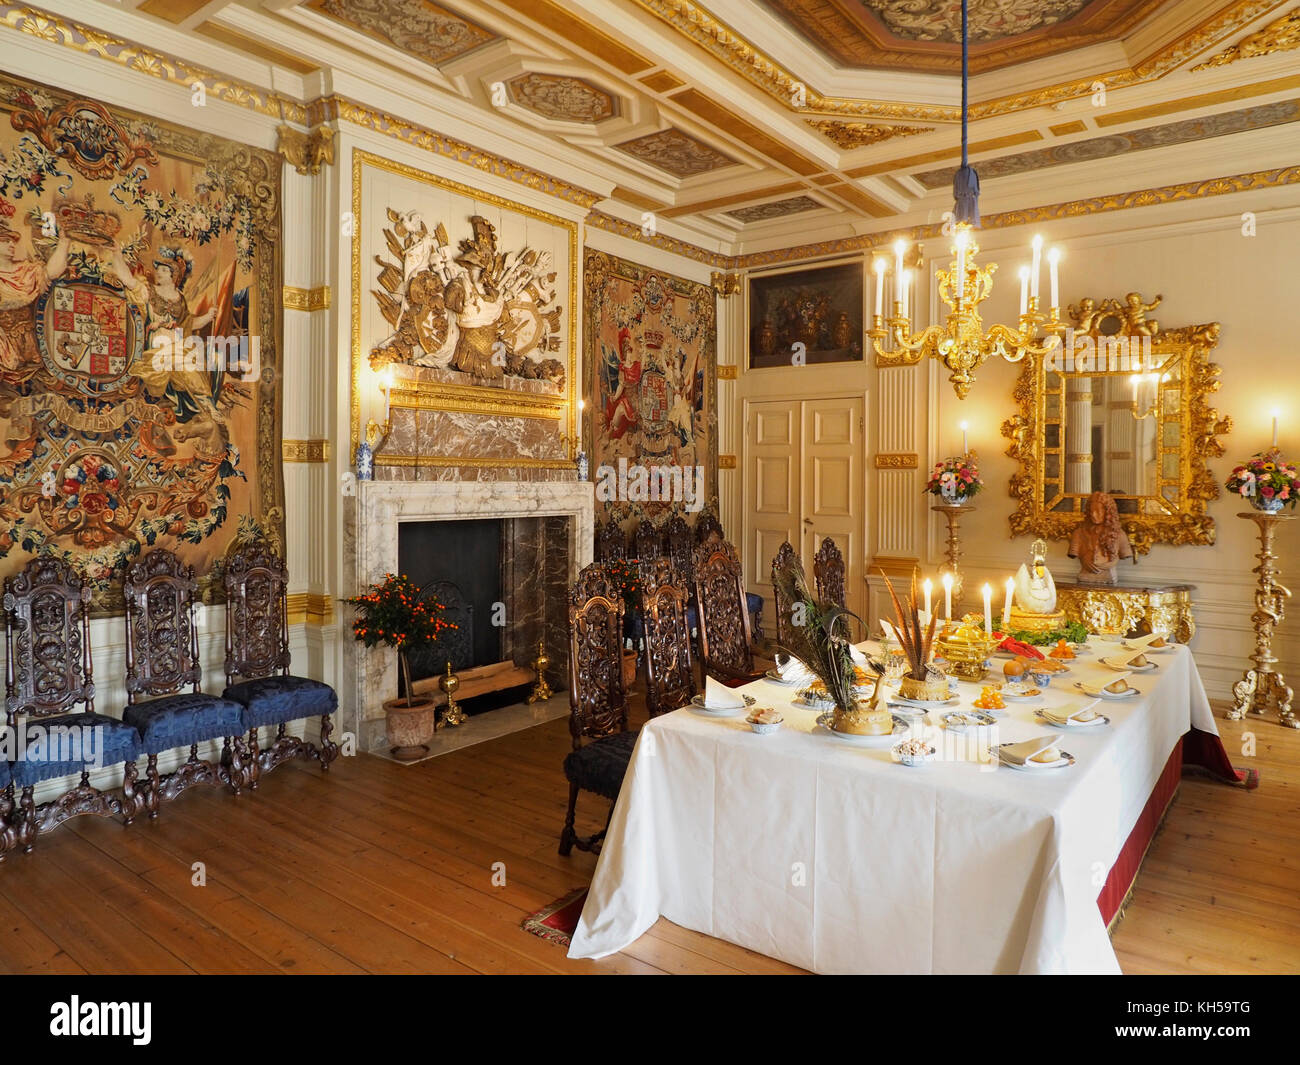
{"x": 429, "y": 258}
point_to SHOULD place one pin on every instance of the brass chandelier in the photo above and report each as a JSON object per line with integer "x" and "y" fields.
{"x": 961, "y": 343}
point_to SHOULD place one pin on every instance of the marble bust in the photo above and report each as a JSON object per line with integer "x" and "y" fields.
{"x": 1099, "y": 541}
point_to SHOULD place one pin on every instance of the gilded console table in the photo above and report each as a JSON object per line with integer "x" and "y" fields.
{"x": 1130, "y": 608}
{"x": 1263, "y": 688}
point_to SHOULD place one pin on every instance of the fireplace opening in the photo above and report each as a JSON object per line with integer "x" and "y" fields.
{"x": 494, "y": 578}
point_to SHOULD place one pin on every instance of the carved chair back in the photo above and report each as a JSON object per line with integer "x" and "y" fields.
{"x": 597, "y": 699}
{"x": 784, "y": 557}
{"x": 720, "y": 608}
{"x": 828, "y": 572}
{"x": 670, "y": 672}
{"x": 162, "y": 646}
{"x": 648, "y": 540}
{"x": 257, "y": 612}
{"x": 47, "y": 639}
{"x": 611, "y": 541}
{"x": 707, "y": 526}
{"x": 679, "y": 545}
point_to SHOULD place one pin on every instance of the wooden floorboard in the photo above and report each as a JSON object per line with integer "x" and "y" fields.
{"x": 385, "y": 868}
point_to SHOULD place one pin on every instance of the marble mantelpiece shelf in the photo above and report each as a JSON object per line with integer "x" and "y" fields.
{"x": 1130, "y": 607}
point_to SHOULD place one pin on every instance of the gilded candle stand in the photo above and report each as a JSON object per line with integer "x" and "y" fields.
{"x": 1262, "y": 689}
{"x": 952, "y": 553}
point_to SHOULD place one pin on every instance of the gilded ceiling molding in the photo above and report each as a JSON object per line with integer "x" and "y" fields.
{"x": 851, "y": 135}
{"x": 306, "y": 151}
{"x": 1281, "y": 35}
{"x": 81, "y": 38}
{"x": 610, "y": 224}
{"x": 724, "y": 285}
{"x": 720, "y": 41}
{"x": 305, "y": 450}
{"x": 341, "y": 109}
{"x": 306, "y": 299}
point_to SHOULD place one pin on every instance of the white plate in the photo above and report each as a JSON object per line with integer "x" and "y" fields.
{"x": 1098, "y": 692}
{"x": 776, "y": 678}
{"x": 1119, "y": 665}
{"x": 1147, "y": 649}
{"x": 804, "y": 704}
{"x": 1021, "y": 697}
{"x": 901, "y": 731}
{"x": 1067, "y": 759}
{"x": 950, "y": 720}
{"x": 1100, "y": 719}
{"x": 697, "y": 701}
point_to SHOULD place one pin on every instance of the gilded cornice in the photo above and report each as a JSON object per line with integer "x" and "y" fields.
{"x": 610, "y": 224}
{"x": 724, "y": 44}
{"x": 81, "y": 38}
{"x": 1280, "y": 35}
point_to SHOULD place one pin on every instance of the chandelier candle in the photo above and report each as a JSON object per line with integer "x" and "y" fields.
{"x": 1034, "y": 266}
{"x": 880, "y": 286}
{"x": 1054, "y": 257}
{"x": 1024, "y": 291}
{"x": 965, "y": 447}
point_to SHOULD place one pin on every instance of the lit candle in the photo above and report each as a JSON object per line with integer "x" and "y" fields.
{"x": 1275, "y": 428}
{"x": 1037, "y": 262}
{"x": 926, "y": 585}
{"x": 988, "y": 609}
{"x": 965, "y": 447}
{"x": 1024, "y": 290}
{"x": 947, "y": 596}
{"x": 1006, "y": 605}
{"x": 900, "y": 246}
{"x": 880, "y": 288}
{"x": 905, "y": 282}
{"x": 1054, "y": 257}
{"x": 961, "y": 265}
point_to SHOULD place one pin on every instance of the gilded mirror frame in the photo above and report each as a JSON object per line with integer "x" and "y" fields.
{"x": 1106, "y": 331}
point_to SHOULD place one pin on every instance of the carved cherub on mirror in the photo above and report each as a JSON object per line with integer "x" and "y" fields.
{"x": 1121, "y": 409}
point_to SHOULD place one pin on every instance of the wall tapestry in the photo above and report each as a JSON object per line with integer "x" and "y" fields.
{"x": 465, "y": 299}
{"x": 651, "y": 354}
{"x": 813, "y": 315}
{"x": 139, "y": 339}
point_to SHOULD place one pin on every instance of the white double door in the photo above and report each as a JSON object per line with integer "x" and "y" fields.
{"x": 804, "y": 466}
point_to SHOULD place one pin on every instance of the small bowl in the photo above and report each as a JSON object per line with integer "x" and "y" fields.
{"x": 912, "y": 759}
{"x": 1041, "y": 680}
{"x": 764, "y": 728}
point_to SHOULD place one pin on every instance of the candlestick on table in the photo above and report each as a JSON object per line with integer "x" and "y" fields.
{"x": 1263, "y": 688}
{"x": 988, "y": 609}
{"x": 1006, "y": 606}
{"x": 947, "y": 596}
{"x": 925, "y": 588}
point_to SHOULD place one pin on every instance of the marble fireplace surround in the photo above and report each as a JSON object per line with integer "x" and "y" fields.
{"x": 370, "y": 551}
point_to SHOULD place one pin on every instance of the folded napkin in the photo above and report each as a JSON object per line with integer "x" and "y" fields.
{"x": 1137, "y": 643}
{"x": 717, "y": 696}
{"x": 859, "y": 657}
{"x": 1094, "y": 688}
{"x": 1021, "y": 753}
{"x": 793, "y": 671}
{"x": 1063, "y": 715}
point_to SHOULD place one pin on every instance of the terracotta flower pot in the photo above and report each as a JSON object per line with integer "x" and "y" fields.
{"x": 629, "y": 669}
{"x": 410, "y": 728}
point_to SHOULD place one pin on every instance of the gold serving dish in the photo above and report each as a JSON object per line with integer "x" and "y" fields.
{"x": 965, "y": 648}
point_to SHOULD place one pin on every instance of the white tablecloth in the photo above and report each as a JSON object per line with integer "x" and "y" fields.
{"x": 835, "y": 858}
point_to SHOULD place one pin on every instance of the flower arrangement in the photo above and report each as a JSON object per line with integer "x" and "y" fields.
{"x": 954, "y": 479}
{"x": 626, "y": 575}
{"x": 1267, "y": 480}
{"x": 394, "y": 613}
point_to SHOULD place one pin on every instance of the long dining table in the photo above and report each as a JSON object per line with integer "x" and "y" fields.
{"x": 837, "y": 858}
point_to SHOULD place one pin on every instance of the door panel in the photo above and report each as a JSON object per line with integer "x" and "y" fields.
{"x": 772, "y": 490}
{"x": 833, "y": 454}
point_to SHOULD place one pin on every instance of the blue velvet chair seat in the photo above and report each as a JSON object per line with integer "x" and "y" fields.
{"x": 184, "y": 719}
{"x": 600, "y": 765}
{"x": 275, "y": 700}
{"x": 111, "y": 743}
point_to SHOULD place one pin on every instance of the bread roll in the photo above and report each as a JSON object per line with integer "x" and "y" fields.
{"x": 1052, "y": 754}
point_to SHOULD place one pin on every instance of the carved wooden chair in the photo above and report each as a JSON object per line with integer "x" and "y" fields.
{"x": 602, "y": 744}
{"x": 679, "y": 545}
{"x": 648, "y": 540}
{"x": 723, "y": 620}
{"x": 48, "y": 673}
{"x": 162, "y": 660}
{"x": 784, "y": 556}
{"x": 828, "y": 572}
{"x": 611, "y": 541}
{"x": 257, "y": 650}
{"x": 670, "y": 672}
{"x": 707, "y": 525}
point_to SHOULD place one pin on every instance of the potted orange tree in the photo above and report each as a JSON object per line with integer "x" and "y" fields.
{"x": 394, "y": 613}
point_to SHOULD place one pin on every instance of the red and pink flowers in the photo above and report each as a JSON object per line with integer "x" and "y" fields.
{"x": 954, "y": 479}
{"x": 1267, "y": 480}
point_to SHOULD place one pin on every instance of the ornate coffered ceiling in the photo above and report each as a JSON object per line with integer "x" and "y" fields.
{"x": 746, "y": 126}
